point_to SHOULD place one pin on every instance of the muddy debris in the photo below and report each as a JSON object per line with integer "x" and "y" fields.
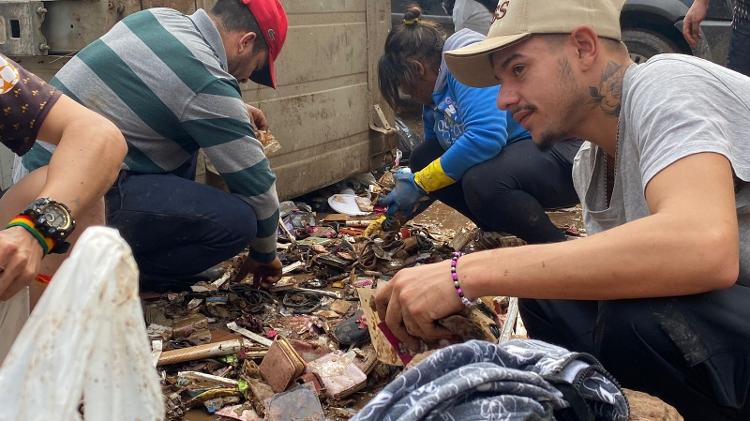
{"x": 311, "y": 346}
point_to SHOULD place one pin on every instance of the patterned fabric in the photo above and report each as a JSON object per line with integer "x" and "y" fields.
{"x": 479, "y": 380}
{"x": 740, "y": 15}
{"x": 161, "y": 77}
{"x": 25, "y": 101}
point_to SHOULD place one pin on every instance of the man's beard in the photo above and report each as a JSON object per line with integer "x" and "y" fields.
{"x": 569, "y": 101}
{"x": 548, "y": 139}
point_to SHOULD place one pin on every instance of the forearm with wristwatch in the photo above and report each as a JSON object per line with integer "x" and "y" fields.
{"x": 49, "y": 222}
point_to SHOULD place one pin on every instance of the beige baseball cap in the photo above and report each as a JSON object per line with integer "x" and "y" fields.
{"x": 516, "y": 20}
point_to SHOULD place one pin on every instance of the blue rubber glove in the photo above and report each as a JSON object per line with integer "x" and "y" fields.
{"x": 405, "y": 196}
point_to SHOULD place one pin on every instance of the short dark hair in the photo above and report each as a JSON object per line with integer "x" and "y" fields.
{"x": 236, "y": 17}
{"x": 557, "y": 40}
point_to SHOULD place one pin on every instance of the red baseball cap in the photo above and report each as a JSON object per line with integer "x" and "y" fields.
{"x": 273, "y": 24}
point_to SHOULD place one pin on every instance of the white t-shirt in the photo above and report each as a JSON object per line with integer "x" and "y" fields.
{"x": 471, "y": 14}
{"x": 673, "y": 106}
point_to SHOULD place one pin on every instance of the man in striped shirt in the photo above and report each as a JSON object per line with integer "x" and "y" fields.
{"x": 170, "y": 82}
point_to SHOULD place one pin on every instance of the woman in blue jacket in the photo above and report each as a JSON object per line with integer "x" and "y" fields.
{"x": 474, "y": 157}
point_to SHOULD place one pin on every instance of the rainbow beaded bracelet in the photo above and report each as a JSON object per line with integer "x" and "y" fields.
{"x": 28, "y": 224}
{"x": 456, "y": 284}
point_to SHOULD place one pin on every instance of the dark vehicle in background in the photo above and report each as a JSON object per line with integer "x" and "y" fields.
{"x": 649, "y": 27}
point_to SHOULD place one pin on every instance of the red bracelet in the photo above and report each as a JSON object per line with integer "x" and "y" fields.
{"x": 454, "y": 275}
{"x": 42, "y": 278}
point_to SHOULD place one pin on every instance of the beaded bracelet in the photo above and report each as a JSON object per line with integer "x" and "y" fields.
{"x": 28, "y": 224}
{"x": 454, "y": 275}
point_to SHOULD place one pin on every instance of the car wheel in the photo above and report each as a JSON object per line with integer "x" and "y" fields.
{"x": 643, "y": 44}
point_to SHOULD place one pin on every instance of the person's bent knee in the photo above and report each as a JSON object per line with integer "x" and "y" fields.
{"x": 240, "y": 220}
{"x": 482, "y": 192}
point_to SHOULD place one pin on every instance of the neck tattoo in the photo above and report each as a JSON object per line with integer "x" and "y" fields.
{"x": 607, "y": 96}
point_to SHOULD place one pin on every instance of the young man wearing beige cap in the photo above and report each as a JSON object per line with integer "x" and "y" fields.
{"x": 662, "y": 284}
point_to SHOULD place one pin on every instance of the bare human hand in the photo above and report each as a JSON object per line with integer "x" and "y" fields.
{"x": 415, "y": 299}
{"x": 258, "y": 117}
{"x": 691, "y": 26}
{"x": 264, "y": 274}
{"x": 20, "y": 259}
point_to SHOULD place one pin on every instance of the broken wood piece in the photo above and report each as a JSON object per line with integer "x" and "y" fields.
{"x": 292, "y": 267}
{"x": 336, "y": 217}
{"x": 188, "y": 325}
{"x": 461, "y": 240}
{"x": 286, "y": 231}
{"x": 260, "y": 394}
{"x": 203, "y": 377}
{"x": 216, "y": 349}
{"x": 340, "y": 306}
{"x": 319, "y": 292}
{"x": 156, "y": 350}
{"x": 359, "y": 223}
{"x": 248, "y": 334}
{"x": 222, "y": 280}
{"x": 510, "y": 321}
{"x": 644, "y": 407}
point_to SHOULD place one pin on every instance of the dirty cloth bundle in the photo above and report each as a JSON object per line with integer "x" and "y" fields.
{"x": 85, "y": 344}
{"x": 518, "y": 380}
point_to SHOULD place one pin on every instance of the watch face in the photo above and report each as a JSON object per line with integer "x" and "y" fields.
{"x": 56, "y": 216}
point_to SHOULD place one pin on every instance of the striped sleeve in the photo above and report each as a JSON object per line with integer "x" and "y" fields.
{"x": 216, "y": 118}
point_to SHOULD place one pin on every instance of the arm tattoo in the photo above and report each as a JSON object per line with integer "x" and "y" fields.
{"x": 609, "y": 92}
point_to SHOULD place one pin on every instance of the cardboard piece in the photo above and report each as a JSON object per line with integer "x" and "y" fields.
{"x": 386, "y": 353}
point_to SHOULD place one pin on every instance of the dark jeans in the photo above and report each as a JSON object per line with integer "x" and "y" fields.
{"x": 510, "y": 192}
{"x": 693, "y": 351}
{"x": 175, "y": 226}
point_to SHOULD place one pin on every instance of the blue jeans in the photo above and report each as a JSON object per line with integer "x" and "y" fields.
{"x": 175, "y": 226}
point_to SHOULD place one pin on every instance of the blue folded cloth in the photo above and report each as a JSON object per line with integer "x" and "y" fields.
{"x": 518, "y": 380}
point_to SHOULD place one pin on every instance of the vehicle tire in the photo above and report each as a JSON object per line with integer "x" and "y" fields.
{"x": 643, "y": 44}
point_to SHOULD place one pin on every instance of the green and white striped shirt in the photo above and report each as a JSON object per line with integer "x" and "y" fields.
{"x": 161, "y": 77}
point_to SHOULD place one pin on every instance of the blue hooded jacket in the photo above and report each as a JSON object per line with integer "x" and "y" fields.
{"x": 465, "y": 120}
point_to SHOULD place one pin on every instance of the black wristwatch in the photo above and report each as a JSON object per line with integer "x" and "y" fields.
{"x": 53, "y": 220}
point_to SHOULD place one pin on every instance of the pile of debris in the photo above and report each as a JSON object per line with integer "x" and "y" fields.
{"x": 311, "y": 346}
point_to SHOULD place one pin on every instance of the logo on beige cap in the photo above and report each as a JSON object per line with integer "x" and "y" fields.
{"x": 501, "y": 11}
